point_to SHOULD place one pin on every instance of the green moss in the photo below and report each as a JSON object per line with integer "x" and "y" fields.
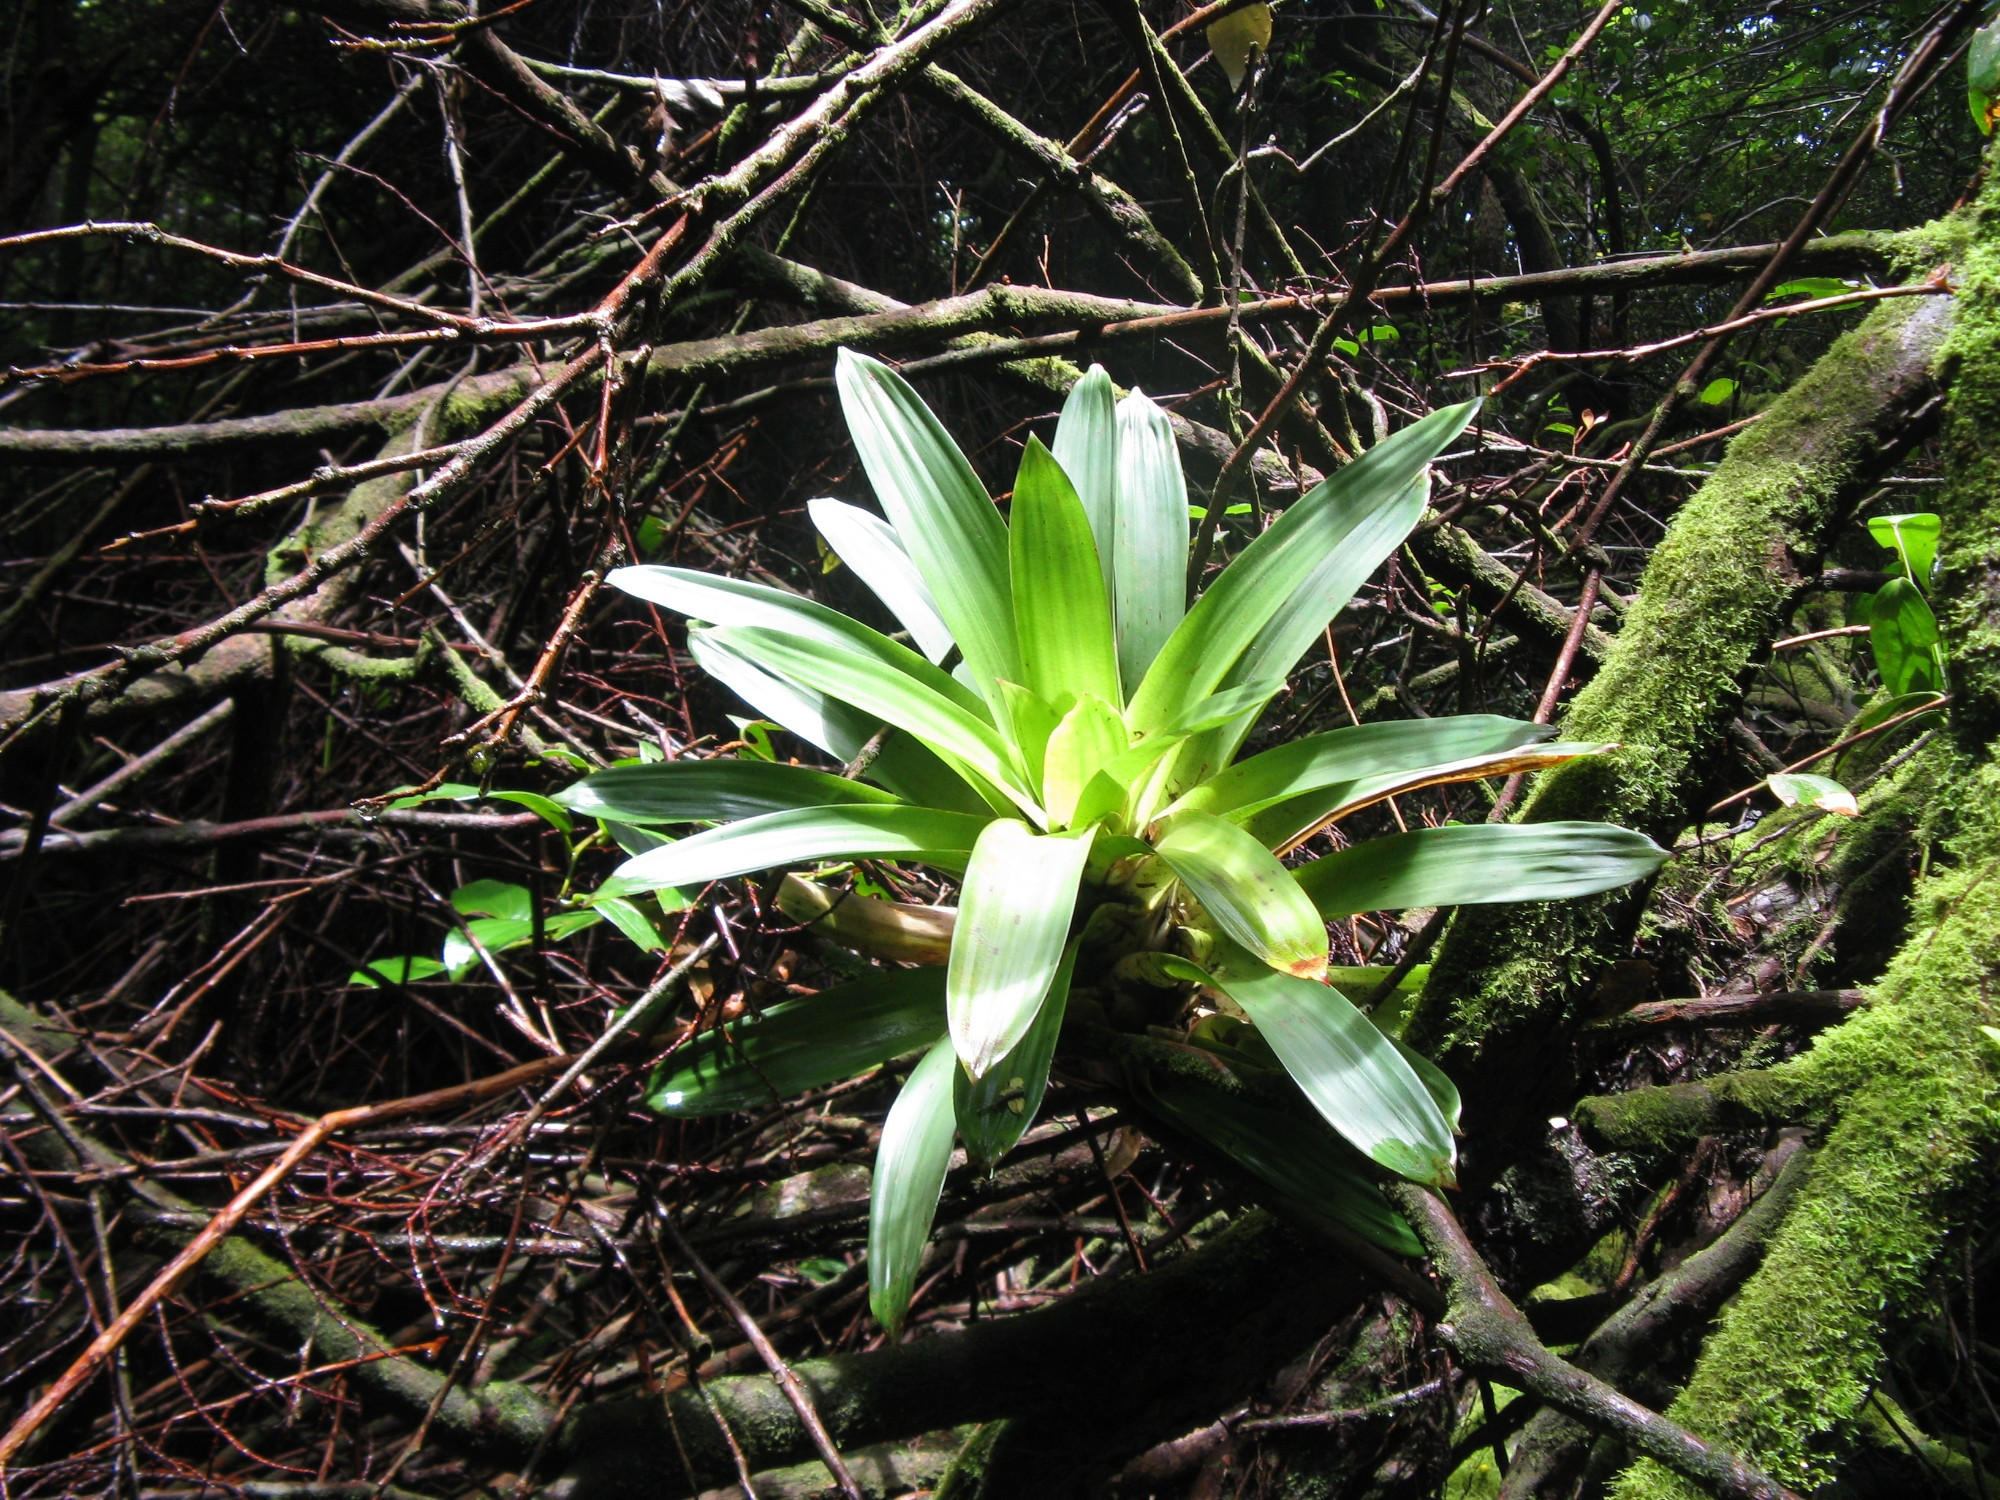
{"x": 1784, "y": 1374}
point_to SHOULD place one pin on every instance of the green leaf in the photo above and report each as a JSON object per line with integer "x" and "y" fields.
{"x": 1149, "y": 557}
{"x": 1914, "y": 540}
{"x": 869, "y": 545}
{"x": 1717, "y": 391}
{"x": 1903, "y": 634}
{"x": 1028, "y": 722}
{"x": 802, "y": 836}
{"x": 738, "y": 603}
{"x": 1089, "y": 737}
{"x": 499, "y": 934}
{"x": 1480, "y": 863}
{"x": 402, "y": 970}
{"x": 943, "y": 724}
{"x": 910, "y": 1167}
{"x": 494, "y": 898}
{"x": 1345, "y": 756}
{"x": 1811, "y": 286}
{"x": 1087, "y": 448}
{"x": 1014, "y": 914}
{"x": 1822, "y": 792}
{"x": 1287, "y": 824}
{"x": 539, "y": 805}
{"x": 901, "y": 764}
{"x": 1881, "y": 708}
{"x": 801, "y": 1044}
{"x": 709, "y": 791}
{"x": 996, "y": 1109}
{"x": 1301, "y": 572}
{"x": 630, "y": 920}
{"x": 942, "y": 513}
{"x": 1354, "y": 1076}
{"x": 1318, "y": 1174}
{"x": 1246, "y": 892}
{"x": 1062, "y": 615}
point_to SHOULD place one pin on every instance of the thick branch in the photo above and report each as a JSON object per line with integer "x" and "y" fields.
{"x": 1489, "y": 1334}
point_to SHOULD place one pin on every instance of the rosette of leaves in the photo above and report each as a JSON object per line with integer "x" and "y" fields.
{"x": 1061, "y": 736}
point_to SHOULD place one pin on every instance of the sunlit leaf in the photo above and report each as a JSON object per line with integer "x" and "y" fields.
{"x": 1149, "y": 558}
{"x": 1062, "y": 615}
{"x": 1232, "y": 38}
{"x": 910, "y": 1167}
{"x": 1088, "y": 738}
{"x": 1353, "y": 1074}
{"x": 942, "y": 723}
{"x": 1086, "y": 446}
{"x": 1479, "y": 863}
{"x": 738, "y": 603}
{"x": 1246, "y": 892}
{"x": 996, "y": 1109}
{"x": 900, "y": 763}
{"x": 1300, "y": 573}
{"x": 942, "y": 513}
{"x": 1014, "y": 913}
{"x": 869, "y": 545}
{"x": 1822, "y": 792}
{"x": 1914, "y": 540}
{"x": 801, "y": 836}
{"x": 1345, "y": 756}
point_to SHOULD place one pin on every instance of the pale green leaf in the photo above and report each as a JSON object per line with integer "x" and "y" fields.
{"x": 1822, "y": 792}
{"x": 869, "y": 545}
{"x": 739, "y": 603}
{"x": 1234, "y": 37}
{"x": 1062, "y": 615}
{"x": 1479, "y": 863}
{"x": 1300, "y": 573}
{"x": 1354, "y": 1076}
{"x": 1086, "y": 446}
{"x": 802, "y": 836}
{"x": 709, "y": 791}
{"x": 801, "y": 1044}
{"x": 1014, "y": 914}
{"x": 1027, "y": 722}
{"x": 1344, "y": 756}
{"x": 1246, "y": 892}
{"x": 942, "y": 513}
{"x": 901, "y": 764}
{"x": 910, "y": 1167}
{"x": 1149, "y": 557}
{"x": 943, "y": 724}
{"x": 1287, "y": 824}
{"x": 1090, "y": 736}
{"x": 996, "y": 1109}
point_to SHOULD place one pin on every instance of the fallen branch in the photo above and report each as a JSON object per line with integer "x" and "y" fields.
{"x": 1486, "y": 1331}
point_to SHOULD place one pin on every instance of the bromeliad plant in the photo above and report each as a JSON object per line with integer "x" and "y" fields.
{"x": 1061, "y": 736}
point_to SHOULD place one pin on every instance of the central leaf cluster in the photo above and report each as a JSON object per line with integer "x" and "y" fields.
{"x": 1063, "y": 738}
